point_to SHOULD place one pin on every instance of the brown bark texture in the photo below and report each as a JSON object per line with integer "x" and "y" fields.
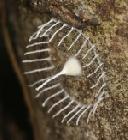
{"x": 106, "y": 23}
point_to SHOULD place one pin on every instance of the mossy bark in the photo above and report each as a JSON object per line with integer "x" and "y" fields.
{"x": 20, "y": 18}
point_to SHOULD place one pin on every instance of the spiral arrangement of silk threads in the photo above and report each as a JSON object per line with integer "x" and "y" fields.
{"x": 78, "y": 59}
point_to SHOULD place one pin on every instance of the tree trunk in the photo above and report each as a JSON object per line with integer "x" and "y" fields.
{"x": 19, "y": 19}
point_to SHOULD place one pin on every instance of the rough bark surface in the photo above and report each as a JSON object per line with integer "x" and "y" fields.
{"x": 111, "y": 36}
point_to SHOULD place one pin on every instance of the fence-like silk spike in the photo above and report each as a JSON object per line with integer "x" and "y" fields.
{"x": 81, "y": 58}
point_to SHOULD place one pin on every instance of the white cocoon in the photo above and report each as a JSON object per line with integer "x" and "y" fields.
{"x": 72, "y": 67}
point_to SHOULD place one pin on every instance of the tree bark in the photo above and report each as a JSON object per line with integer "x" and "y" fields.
{"x": 18, "y": 21}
